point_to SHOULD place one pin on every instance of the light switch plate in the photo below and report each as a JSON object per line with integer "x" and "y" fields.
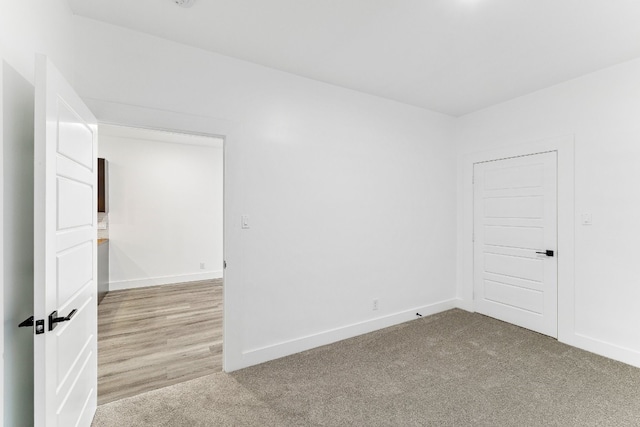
{"x": 245, "y": 221}
{"x": 587, "y": 219}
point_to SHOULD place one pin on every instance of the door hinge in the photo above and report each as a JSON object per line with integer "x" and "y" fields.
{"x": 224, "y": 264}
{"x": 39, "y": 325}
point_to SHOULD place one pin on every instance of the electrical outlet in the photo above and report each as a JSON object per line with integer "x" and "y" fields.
{"x": 375, "y": 304}
{"x": 202, "y": 266}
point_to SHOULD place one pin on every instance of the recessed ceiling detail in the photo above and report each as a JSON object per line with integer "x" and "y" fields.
{"x": 450, "y": 56}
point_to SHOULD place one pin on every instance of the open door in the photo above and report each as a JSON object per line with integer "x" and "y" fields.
{"x": 65, "y": 358}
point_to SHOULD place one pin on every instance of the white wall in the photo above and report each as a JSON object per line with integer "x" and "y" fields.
{"x": 350, "y": 197}
{"x": 601, "y": 111}
{"x": 18, "y": 246}
{"x": 36, "y": 26}
{"x": 2, "y": 288}
{"x": 25, "y": 28}
{"x": 165, "y": 210}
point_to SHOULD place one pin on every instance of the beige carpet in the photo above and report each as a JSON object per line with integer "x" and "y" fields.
{"x": 451, "y": 369}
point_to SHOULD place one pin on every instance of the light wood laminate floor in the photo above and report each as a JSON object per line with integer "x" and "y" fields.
{"x": 153, "y": 337}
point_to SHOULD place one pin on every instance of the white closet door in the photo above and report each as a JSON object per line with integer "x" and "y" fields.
{"x": 515, "y": 235}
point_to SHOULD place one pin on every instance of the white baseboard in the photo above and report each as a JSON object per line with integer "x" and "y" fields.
{"x": 584, "y": 342}
{"x": 464, "y": 305}
{"x": 275, "y": 351}
{"x": 604, "y": 348}
{"x": 163, "y": 280}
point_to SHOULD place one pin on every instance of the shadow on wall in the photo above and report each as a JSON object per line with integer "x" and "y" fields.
{"x": 119, "y": 260}
{"x": 18, "y": 135}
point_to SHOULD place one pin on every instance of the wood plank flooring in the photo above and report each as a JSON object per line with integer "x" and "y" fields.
{"x": 153, "y": 337}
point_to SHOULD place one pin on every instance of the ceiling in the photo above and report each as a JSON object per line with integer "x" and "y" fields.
{"x": 451, "y": 56}
{"x": 159, "y": 136}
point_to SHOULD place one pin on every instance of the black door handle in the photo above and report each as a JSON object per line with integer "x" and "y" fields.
{"x": 26, "y": 323}
{"x": 39, "y": 329}
{"x": 54, "y": 319}
{"x": 547, "y": 253}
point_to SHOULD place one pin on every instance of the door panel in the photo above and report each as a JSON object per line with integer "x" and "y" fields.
{"x": 74, "y": 271}
{"x": 519, "y": 267}
{"x": 65, "y": 371}
{"x": 515, "y": 217}
{"x": 523, "y": 176}
{"x": 71, "y": 193}
{"x": 73, "y": 134}
{"x": 509, "y": 236}
{"x": 514, "y": 207}
{"x": 515, "y": 296}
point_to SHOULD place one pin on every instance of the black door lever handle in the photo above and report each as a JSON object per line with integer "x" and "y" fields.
{"x": 39, "y": 329}
{"x": 547, "y": 253}
{"x": 54, "y": 319}
{"x": 26, "y": 323}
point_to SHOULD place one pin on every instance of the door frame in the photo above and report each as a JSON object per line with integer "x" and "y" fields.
{"x": 2, "y": 239}
{"x": 564, "y": 146}
{"x": 112, "y": 113}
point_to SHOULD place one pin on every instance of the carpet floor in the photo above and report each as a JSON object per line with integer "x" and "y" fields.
{"x": 451, "y": 369}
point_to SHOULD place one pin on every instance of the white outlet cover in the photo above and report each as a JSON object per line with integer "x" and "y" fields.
{"x": 587, "y": 219}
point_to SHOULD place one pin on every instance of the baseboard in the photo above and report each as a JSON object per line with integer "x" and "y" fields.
{"x": 584, "y": 342}
{"x": 163, "y": 280}
{"x": 606, "y": 349}
{"x": 275, "y": 351}
{"x": 464, "y": 305}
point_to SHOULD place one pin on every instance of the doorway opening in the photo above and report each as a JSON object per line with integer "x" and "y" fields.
{"x": 160, "y": 259}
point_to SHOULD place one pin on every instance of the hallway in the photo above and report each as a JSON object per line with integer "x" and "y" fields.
{"x": 149, "y": 338}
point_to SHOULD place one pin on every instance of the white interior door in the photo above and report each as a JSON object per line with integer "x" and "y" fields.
{"x": 515, "y": 210}
{"x": 65, "y": 211}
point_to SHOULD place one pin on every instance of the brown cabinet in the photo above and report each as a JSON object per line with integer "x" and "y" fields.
{"x": 103, "y": 193}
